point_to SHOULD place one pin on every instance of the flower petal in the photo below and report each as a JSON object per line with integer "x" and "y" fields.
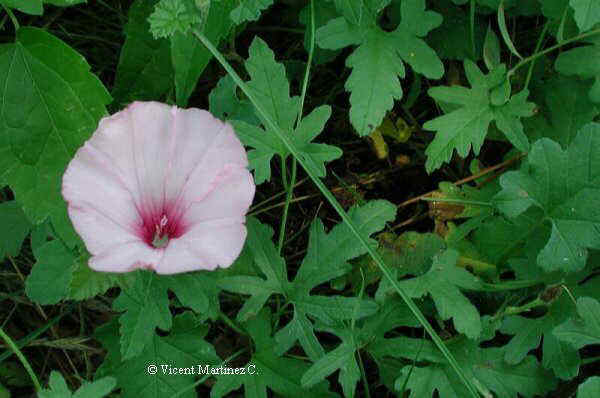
{"x": 126, "y": 257}
{"x": 203, "y": 146}
{"x": 231, "y": 195}
{"x": 101, "y": 209}
{"x": 207, "y": 246}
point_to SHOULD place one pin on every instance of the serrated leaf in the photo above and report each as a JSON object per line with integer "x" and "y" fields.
{"x": 528, "y": 332}
{"x": 87, "y": 283}
{"x": 147, "y": 307}
{"x": 569, "y": 63}
{"x": 266, "y": 370}
{"x": 96, "y": 389}
{"x": 269, "y": 262}
{"x": 587, "y": 13}
{"x": 378, "y": 60}
{"x": 271, "y": 88}
{"x": 334, "y": 249}
{"x": 249, "y": 10}
{"x": 183, "y": 347}
{"x": 585, "y": 329}
{"x": 466, "y": 127}
{"x": 146, "y": 303}
{"x": 486, "y": 367}
{"x": 442, "y": 282}
{"x": 564, "y": 185}
{"x": 49, "y": 280}
{"x": 15, "y": 227}
{"x": 144, "y": 71}
{"x": 190, "y": 57}
{"x": 51, "y": 104}
{"x": 172, "y": 16}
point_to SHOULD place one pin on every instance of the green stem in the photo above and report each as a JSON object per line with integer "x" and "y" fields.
{"x": 535, "y": 56}
{"x": 290, "y": 187}
{"x": 363, "y": 375}
{"x": 537, "y": 48}
{"x": 479, "y": 267}
{"x": 229, "y": 322}
{"x": 538, "y": 302}
{"x": 12, "y": 17}
{"x": 286, "y": 207}
{"x": 11, "y": 344}
{"x": 291, "y": 147}
{"x": 458, "y": 201}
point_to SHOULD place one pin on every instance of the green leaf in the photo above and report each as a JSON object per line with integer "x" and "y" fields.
{"x": 589, "y": 388}
{"x": 466, "y": 127}
{"x": 249, "y": 10}
{"x": 585, "y": 329}
{"x": 587, "y": 13}
{"x": 144, "y": 71}
{"x": 146, "y": 304}
{"x": 51, "y": 105}
{"x": 15, "y": 227}
{"x": 225, "y": 104}
{"x": 184, "y": 347}
{"x": 268, "y": 261}
{"x": 49, "y": 280}
{"x": 172, "y": 16}
{"x": 504, "y": 30}
{"x": 58, "y": 388}
{"x": 190, "y": 57}
{"x": 486, "y": 367}
{"x": 33, "y": 7}
{"x": 87, "y": 283}
{"x": 271, "y": 87}
{"x": 569, "y": 63}
{"x": 566, "y": 108}
{"x": 452, "y": 40}
{"x": 378, "y": 60}
{"x": 342, "y": 357}
{"x": 335, "y": 249}
{"x": 528, "y": 332}
{"x": 564, "y": 184}
{"x": 265, "y": 369}
{"x": 443, "y": 282}
{"x": 147, "y": 307}
{"x": 491, "y": 49}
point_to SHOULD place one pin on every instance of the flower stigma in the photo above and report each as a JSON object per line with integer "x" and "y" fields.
{"x": 161, "y": 237}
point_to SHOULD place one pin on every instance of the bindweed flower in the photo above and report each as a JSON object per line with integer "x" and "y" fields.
{"x": 160, "y": 188}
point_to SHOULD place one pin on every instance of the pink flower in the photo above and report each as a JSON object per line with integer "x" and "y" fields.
{"x": 160, "y": 188}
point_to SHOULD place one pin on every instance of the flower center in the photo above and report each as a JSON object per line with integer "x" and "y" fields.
{"x": 161, "y": 235}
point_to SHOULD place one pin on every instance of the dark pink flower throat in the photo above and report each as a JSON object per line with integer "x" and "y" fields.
{"x": 159, "y": 227}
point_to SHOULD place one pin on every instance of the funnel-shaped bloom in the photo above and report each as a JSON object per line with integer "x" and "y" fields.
{"x": 160, "y": 188}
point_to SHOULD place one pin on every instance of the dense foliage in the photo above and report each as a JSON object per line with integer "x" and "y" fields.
{"x": 427, "y": 216}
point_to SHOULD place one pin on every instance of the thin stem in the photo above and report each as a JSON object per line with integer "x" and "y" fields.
{"x": 363, "y": 375}
{"x": 458, "y": 201}
{"x": 11, "y": 344}
{"x": 286, "y": 207}
{"x": 12, "y": 17}
{"x": 535, "y": 56}
{"x": 290, "y": 186}
{"x": 537, "y": 48}
{"x": 291, "y": 147}
{"x": 229, "y": 322}
{"x": 479, "y": 267}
